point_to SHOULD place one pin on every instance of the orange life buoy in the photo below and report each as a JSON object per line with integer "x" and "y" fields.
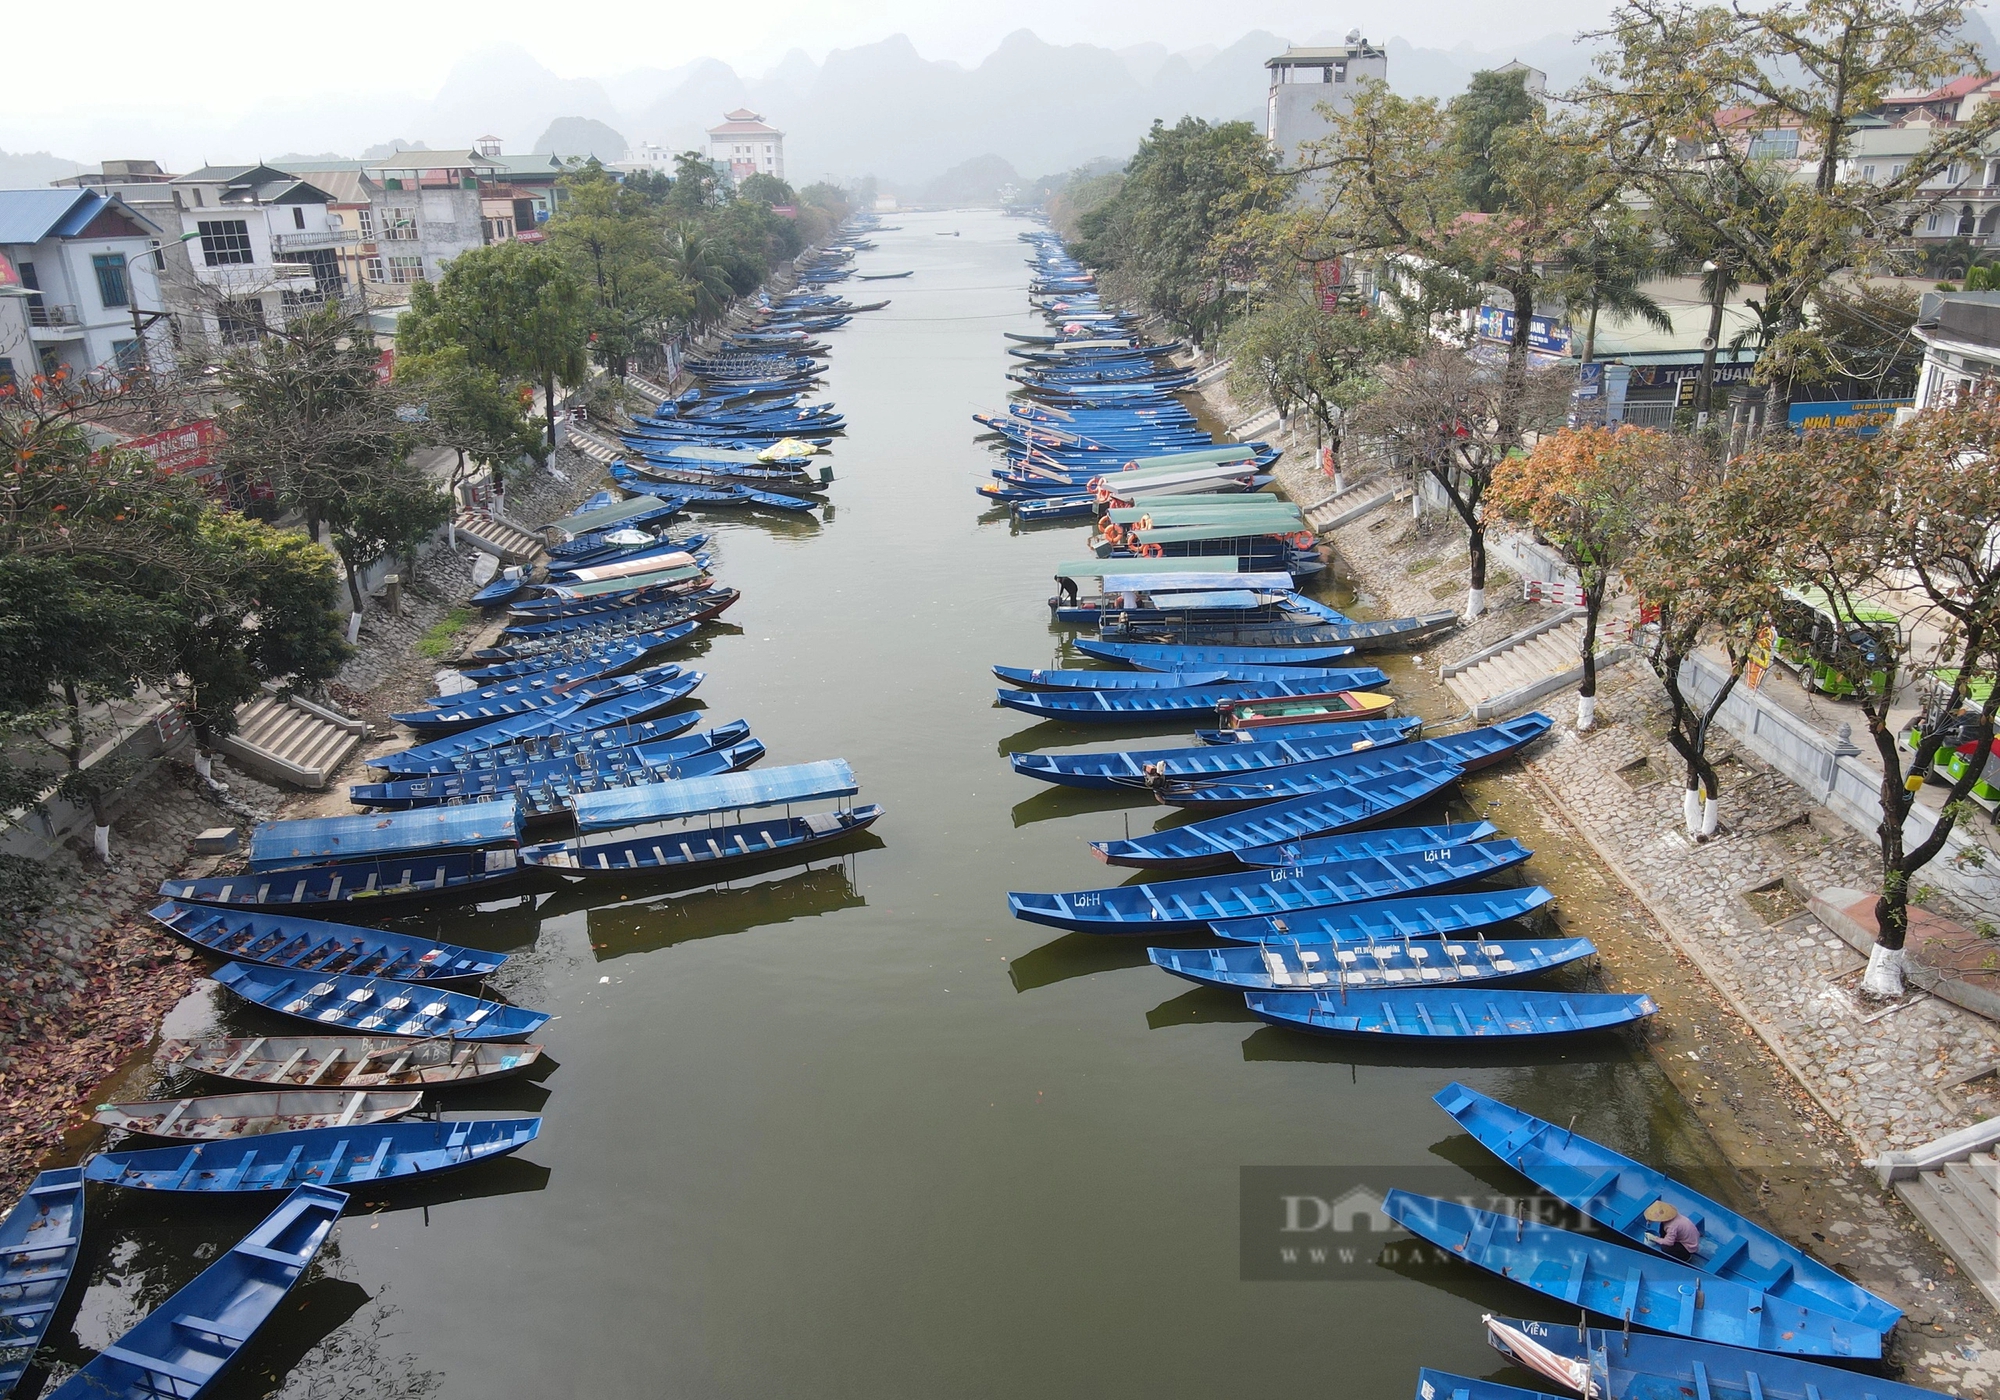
{"x": 1304, "y": 539}
{"x": 1112, "y": 532}
{"x": 1151, "y": 551}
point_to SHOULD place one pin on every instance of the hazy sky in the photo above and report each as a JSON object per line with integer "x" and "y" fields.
{"x": 226, "y": 57}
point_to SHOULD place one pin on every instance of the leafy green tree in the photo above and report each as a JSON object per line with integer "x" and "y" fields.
{"x": 612, "y": 240}
{"x": 765, "y": 189}
{"x": 1490, "y": 104}
{"x": 1174, "y": 235}
{"x": 697, "y": 189}
{"x": 1605, "y": 269}
{"x": 468, "y": 408}
{"x": 516, "y": 309}
{"x": 1682, "y": 86}
{"x": 1299, "y": 356}
{"x": 693, "y": 259}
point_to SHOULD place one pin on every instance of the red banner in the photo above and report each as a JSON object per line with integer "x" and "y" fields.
{"x": 1326, "y": 282}
{"x": 8, "y": 277}
{"x": 187, "y": 448}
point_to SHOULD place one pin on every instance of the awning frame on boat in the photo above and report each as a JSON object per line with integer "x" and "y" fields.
{"x": 618, "y": 808}
{"x": 315, "y": 840}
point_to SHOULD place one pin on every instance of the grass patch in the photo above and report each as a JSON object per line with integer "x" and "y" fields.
{"x": 1417, "y": 566}
{"x": 437, "y": 641}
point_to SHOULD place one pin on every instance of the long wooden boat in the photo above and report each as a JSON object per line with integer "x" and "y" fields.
{"x": 1217, "y": 738}
{"x": 1363, "y": 636}
{"x": 1443, "y": 1385}
{"x": 1382, "y": 783}
{"x": 701, "y": 848}
{"x": 310, "y": 945}
{"x": 1387, "y": 920}
{"x": 1344, "y": 707}
{"x": 1190, "y": 906}
{"x": 633, "y": 645}
{"x": 546, "y": 724}
{"x": 39, "y": 1241}
{"x": 554, "y": 797}
{"x": 586, "y": 745}
{"x": 473, "y": 780}
{"x": 1629, "y": 1365}
{"x": 379, "y": 1006}
{"x": 1176, "y": 706}
{"x": 1140, "y": 768}
{"x": 1444, "y": 1013}
{"x": 322, "y": 1156}
{"x": 553, "y": 677}
{"x": 651, "y": 613}
{"x": 1637, "y": 1287}
{"x": 346, "y": 1061}
{"x": 182, "y": 1346}
{"x": 1471, "y": 750}
{"x": 1615, "y": 1191}
{"x": 1326, "y": 682}
{"x": 1286, "y": 966}
{"x": 466, "y": 876}
{"x": 213, "y": 1117}
{"x": 442, "y": 721}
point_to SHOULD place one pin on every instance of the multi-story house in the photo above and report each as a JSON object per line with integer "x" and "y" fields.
{"x": 89, "y": 291}
{"x": 259, "y": 243}
{"x": 429, "y": 211}
{"x": 745, "y": 145}
{"x": 1304, "y": 80}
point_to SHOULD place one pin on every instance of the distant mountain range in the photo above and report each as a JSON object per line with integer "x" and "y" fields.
{"x": 878, "y": 109}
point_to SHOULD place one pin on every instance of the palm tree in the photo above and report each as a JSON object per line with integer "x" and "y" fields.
{"x": 1606, "y": 272}
{"x": 691, "y": 258}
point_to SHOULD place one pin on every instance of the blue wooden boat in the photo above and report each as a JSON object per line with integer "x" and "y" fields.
{"x": 700, "y": 849}
{"x": 542, "y": 724}
{"x": 552, "y": 747}
{"x": 1381, "y": 920}
{"x": 1382, "y": 841}
{"x": 370, "y": 1156}
{"x": 1138, "y": 768}
{"x": 1614, "y": 1190}
{"x": 556, "y": 797}
{"x": 313, "y": 946}
{"x": 180, "y": 1347}
{"x": 1190, "y": 906}
{"x": 1443, "y": 1385}
{"x": 1471, "y": 750}
{"x": 652, "y": 548}
{"x": 1447, "y": 1013}
{"x": 472, "y": 781}
{"x": 283, "y": 845}
{"x": 1637, "y": 1287}
{"x": 1033, "y": 512}
{"x": 1141, "y": 706}
{"x": 378, "y": 1005}
{"x": 450, "y": 720}
{"x": 1152, "y": 657}
{"x": 1627, "y": 1365}
{"x": 1285, "y": 965}
{"x": 39, "y": 1241}
{"x": 572, "y": 602}
{"x": 464, "y": 876}
{"x": 1318, "y": 681}
{"x": 502, "y": 589}
{"x": 1319, "y": 730}
{"x": 654, "y": 612}
{"x": 1364, "y": 636}
{"x": 551, "y": 677}
{"x": 1381, "y": 783}
{"x": 633, "y": 646}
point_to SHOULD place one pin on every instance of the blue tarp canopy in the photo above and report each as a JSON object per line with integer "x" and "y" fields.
{"x": 692, "y": 797}
{"x": 1209, "y": 600}
{"x": 1194, "y": 583}
{"x": 320, "y": 839}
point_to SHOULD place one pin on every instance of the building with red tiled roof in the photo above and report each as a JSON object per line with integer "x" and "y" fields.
{"x": 745, "y": 144}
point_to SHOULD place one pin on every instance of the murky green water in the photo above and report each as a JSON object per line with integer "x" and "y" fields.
{"x": 851, "y": 1130}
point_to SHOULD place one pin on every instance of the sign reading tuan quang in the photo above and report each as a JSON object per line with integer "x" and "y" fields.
{"x": 1865, "y": 417}
{"x": 187, "y": 448}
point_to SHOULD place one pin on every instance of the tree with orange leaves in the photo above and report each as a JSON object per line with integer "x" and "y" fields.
{"x": 1585, "y": 491}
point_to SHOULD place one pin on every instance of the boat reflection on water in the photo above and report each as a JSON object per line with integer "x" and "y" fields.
{"x": 1203, "y": 1006}
{"x": 1075, "y": 955}
{"x": 1474, "y": 1056}
{"x": 617, "y": 930}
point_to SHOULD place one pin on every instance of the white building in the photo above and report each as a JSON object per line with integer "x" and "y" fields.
{"x": 87, "y": 293}
{"x": 1304, "y": 79}
{"x": 1961, "y": 336}
{"x": 431, "y": 210}
{"x": 745, "y": 144}
{"x": 264, "y": 241}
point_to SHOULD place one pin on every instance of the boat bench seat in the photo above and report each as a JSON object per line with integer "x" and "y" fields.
{"x": 207, "y": 1326}
{"x": 15, "y": 1310}
{"x": 158, "y": 1367}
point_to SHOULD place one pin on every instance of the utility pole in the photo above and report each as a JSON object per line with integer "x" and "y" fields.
{"x": 1704, "y": 392}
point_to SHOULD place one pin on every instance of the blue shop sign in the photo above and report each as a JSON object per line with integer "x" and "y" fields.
{"x": 1862, "y": 417}
{"x": 1545, "y": 333}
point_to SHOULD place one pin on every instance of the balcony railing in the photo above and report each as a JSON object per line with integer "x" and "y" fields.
{"x": 49, "y": 315}
{"x": 310, "y": 238}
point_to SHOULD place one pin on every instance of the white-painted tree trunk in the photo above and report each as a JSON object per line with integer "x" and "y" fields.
{"x": 1711, "y": 816}
{"x": 1475, "y": 603}
{"x": 451, "y": 530}
{"x": 1586, "y": 711}
{"x": 205, "y": 766}
{"x": 1691, "y": 810}
{"x": 100, "y": 837}
{"x": 1884, "y": 977}
{"x": 353, "y": 628}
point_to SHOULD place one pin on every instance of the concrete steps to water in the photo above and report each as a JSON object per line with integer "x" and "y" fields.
{"x": 1959, "y": 1204}
{"x": 1515, "y": 672}
{"x": 291, "y": 741}
{"x": 599, "y": 449}
{"x": 646, "y": 388}
{"x": 502, "y": 538}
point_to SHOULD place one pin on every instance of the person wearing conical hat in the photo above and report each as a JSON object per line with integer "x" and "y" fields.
{"x": 1677, "y": 1237}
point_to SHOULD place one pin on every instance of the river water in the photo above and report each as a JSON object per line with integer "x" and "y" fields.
{"x": 851, "y": 1130}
